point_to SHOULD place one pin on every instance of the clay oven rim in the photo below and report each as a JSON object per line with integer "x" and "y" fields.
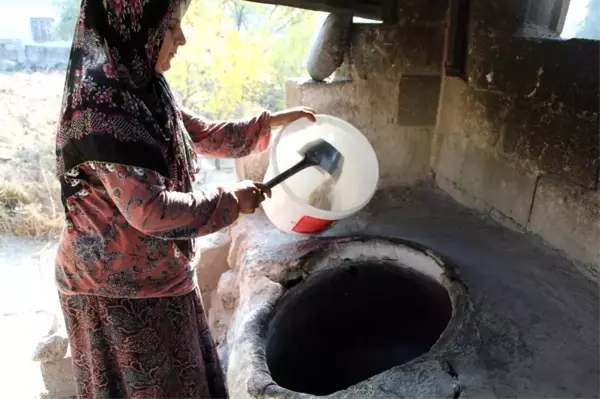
{"x": 333, "y": 253}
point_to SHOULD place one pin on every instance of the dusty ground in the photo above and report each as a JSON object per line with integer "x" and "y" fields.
{"x": 29, "y": 207}
{"x": 27, "y": 303}
{"x": 29, "y": 191}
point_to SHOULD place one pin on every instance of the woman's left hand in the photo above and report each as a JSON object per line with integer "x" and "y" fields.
{"x": 284, "y": 117}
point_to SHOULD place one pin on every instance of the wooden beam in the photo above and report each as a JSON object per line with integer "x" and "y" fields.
{"x": 364, "y": 9}
{"x": 389, "y": 12}
{"x": 457, "y": 39}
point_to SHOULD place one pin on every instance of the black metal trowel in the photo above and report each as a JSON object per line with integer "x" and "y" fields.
{"x": 316, "y": 153}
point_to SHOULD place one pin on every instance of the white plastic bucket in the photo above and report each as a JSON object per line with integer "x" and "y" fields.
{"x": 288, "y": 208}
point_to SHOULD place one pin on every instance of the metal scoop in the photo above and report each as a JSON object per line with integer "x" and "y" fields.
{"x": 316, "y": 153}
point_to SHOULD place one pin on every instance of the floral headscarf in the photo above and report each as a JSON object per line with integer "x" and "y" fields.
{"x": 116, "y": 108}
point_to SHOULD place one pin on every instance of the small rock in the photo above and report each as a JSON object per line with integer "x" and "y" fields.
{"x": 59, "y": 379}
{"x": 214, "y": 250}
{"x": 219, "y": 319}
{"x": 227, "y": 290}
{"x": 51, "y": 349}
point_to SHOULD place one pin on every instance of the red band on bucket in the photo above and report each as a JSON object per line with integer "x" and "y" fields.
{"x": 310, "y": 225}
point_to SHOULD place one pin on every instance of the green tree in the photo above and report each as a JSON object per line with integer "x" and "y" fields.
{"x": 69, "y": 13}
{"x": 238, "y": 55}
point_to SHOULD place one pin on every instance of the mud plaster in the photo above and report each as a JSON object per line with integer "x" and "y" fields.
{"x": 530, "y": 320}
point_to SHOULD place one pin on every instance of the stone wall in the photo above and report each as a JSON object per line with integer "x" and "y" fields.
{"x": 15, "y": 56}
{"x": 519, "y": 138}
{"x": 376, "y": 90}
{"x": 515, "y": 137}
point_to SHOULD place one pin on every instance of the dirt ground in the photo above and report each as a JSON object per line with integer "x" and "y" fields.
{"x": 28, "y": 302}
{"x": 29, "y": 191}
{"x": 29, "y": 208}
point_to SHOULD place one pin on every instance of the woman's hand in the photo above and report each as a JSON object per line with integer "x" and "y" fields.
{"x": 284, "y": 117}
{"x": 250, "y": 194}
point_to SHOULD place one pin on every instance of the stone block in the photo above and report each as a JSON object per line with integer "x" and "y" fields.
{"x": 293, "y": 93}
{"x": 369, "y": 106}
{"x": 483, "y": 116}
{"x": 567, "y": 216}
{"x": 449, "y": 118}
{"x": 550, "y": 134}
{"x": 536, "y": 69}
{"x": 59, "y": 378}
{"x": 485, "y": 181}
{"x": 227, "y": 290}
{"x": 51, "y": 348}
{"x": 477, "y": 115}
{"x": 542, "y": 116}
{"x": 214, "y": 250}
{"x": 341, "y": 99}
{"x": 404, "y": 154}
{"x": 223, "y": 302}
{"x": 505, "y": 221}
{"x": 418, "y": 100}
{"x": 461, "y": 196}
{"x": 498, "y": 182}
{"x": 558, "y": 138}
{"x": 388, "y": 51}
{"x": 451, "y": 156}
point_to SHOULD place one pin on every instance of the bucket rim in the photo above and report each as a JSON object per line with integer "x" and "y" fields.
{"x": 317, "y": 212}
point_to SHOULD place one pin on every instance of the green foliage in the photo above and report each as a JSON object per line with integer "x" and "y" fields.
{"x": 69, "y": 12}
{"x": 238, "y": 55}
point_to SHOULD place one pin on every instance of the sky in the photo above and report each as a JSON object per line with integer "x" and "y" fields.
{"x": 578, "y": 11}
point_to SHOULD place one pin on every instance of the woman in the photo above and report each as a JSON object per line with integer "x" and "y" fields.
{"x": 126, "y": 158}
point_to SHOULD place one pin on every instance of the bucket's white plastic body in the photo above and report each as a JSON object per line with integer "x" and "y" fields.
{"x": 288, "y": 208}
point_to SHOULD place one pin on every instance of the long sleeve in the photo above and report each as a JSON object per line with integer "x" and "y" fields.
{"x": 143, "y": 198}
{"x": 228, "y": 139}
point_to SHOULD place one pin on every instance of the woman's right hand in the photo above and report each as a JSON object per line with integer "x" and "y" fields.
{"x": 250, "y": 194}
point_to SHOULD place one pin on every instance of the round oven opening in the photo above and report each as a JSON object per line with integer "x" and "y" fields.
{"x": 343, "y": 325}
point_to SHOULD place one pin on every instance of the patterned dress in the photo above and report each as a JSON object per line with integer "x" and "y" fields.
{"x": 117, "y": 247}
{"x": 126, "y": 157}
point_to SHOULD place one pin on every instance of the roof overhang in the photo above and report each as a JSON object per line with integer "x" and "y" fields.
{"x": 372, "y": 9}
